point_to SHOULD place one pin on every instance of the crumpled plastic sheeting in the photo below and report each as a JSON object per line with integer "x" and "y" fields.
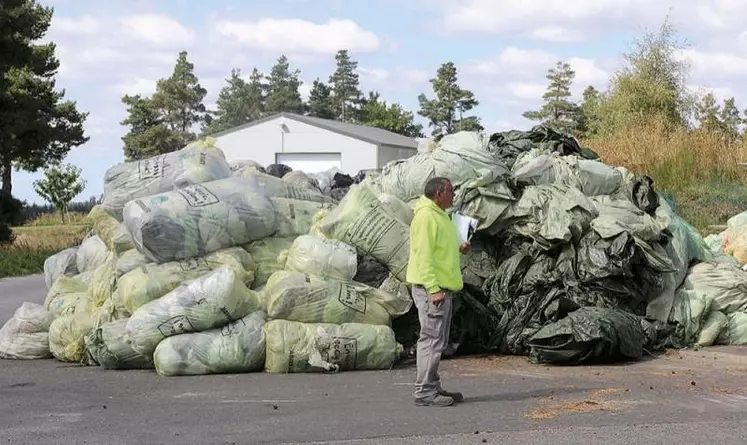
{"x": 590, "y": 335}
{"x": 459, "y": 157}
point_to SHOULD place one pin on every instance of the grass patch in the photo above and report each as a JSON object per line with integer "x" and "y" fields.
{"x": 55, "y": 219}
{"x": 700, "y": 171}
{"x": 34, "y": 244}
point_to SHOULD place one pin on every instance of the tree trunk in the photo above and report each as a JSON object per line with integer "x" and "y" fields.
{"x": 7, "y": 170}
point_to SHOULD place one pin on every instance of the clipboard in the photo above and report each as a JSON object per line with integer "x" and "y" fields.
{"x": 465, "y": 226}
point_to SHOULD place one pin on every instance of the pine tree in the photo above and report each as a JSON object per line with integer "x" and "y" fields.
{"x": 149, "y": 135}
{"x": 180, "y": 98}
{"x": 321, "y": 104}
{"x": 38, "y": 127}
{"x": 558, "y": 112}
{"x": 239, "y": 102}
{"x": 707, "y": 111}
{"x": 730, "y": 120}
{"x": 283, "y": 89}
{"x": 345, "y": 84}
{"x": 587, "y": 123}
{"x": 163, "y": 123}
{"x": 446, "y": 111}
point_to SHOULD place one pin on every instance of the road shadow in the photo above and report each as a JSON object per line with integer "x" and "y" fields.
{"x": 525, "y": 395}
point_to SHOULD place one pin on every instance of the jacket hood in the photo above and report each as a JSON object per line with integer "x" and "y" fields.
{"x": 425, "y": 203}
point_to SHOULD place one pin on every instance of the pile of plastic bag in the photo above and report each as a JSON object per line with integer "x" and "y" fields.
{"x": 200, "y": 266}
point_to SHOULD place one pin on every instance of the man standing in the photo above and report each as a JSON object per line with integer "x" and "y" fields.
{"x": 435, "y": 274}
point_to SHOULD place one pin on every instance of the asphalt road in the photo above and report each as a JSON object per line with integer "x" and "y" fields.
{"x": 691, "y": 397}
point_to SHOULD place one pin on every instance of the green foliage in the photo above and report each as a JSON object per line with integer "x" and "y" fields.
{"x": 558, "y": 112}
{"x": 651, "y": 85}
{"x": 37, "y": 126}
{"x": 149, "y": 134}
{"x": 239, "y": 102}
{"x": 321, "y": 104}
{"x": 283, "y": 88}
{"x": 180, "y": 97}
{"x": 730, "y": 120}
{"x": 707, "y": 113}
{"x": 20, "y": 263}
{"x": 345, "y": 85}
{"x": 163, "y": 123}
{"x": 587, "y": 123}
{"x": 60, "y": 185}
{"x": 392, "y": 117}
{"x": 446, "y": 111}
{"x": 10, "y": 215}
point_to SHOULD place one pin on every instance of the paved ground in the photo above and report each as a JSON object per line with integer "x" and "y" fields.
{"x": 682, "y": 397}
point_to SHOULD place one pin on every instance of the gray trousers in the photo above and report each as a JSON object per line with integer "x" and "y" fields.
{"x": 435, "y": 327}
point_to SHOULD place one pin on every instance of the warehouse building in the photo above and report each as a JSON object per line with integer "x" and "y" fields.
{"x": 312, "y": 144}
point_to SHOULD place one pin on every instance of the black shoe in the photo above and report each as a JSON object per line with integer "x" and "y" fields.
{"x": 434, "y": 400}
{"x": 456, "y": 396}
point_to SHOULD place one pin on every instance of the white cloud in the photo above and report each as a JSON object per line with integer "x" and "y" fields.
{"x": 396, "y": 79}
{"x": 158, "y": 29}
{"x": 559, "y": 34}
{"x": 300, "y": 36}
{"x": 305, "y": 90}
{"x": 84, "y": 26}
{"x": 517, "y": 73}
{"x": 136, "y": 85}
{"x": 715, "y": 65}
{"x": 561, "y": 20}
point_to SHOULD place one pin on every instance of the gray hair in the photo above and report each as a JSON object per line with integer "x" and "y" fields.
{"x": 435, "y": 185}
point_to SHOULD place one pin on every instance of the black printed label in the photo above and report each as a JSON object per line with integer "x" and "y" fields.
{"x": 175, "y": 326}
{"x": 151, "y": 168}
{"x": 352, "y": 299}
{"x": 193, "y": 264}
{"x": 341, "y": 351}
{"x": 142, "y": 205}
{"x": 232, "y": 328}
{"x": 197, "y": 195}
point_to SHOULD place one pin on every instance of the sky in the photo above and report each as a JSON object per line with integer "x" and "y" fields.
{"x": 502, "y": 50}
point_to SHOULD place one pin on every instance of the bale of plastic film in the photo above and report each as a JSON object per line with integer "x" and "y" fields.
{"x": 196, "y": 163}
{"x": 309, "y": 347}
{"x": 236, "y": 347}
{"x": 25, "y": 336}
{"x": 107, "y": 347}
{"x": 153, "y": 280}
{"x": 309, "y": 299}
{"x": 323, "y": 257}
{"x": 211, "y": 301}
{"x": 200, "y": 219}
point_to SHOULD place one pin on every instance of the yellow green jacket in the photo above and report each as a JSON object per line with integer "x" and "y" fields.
{"x": 434, "y": 249}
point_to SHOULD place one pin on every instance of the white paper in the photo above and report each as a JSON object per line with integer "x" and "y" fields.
{"x": 465, "y": 226}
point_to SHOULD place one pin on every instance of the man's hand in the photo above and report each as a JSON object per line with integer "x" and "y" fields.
{"x": 465, "y": 247}
{"x": 438, "y": 298}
